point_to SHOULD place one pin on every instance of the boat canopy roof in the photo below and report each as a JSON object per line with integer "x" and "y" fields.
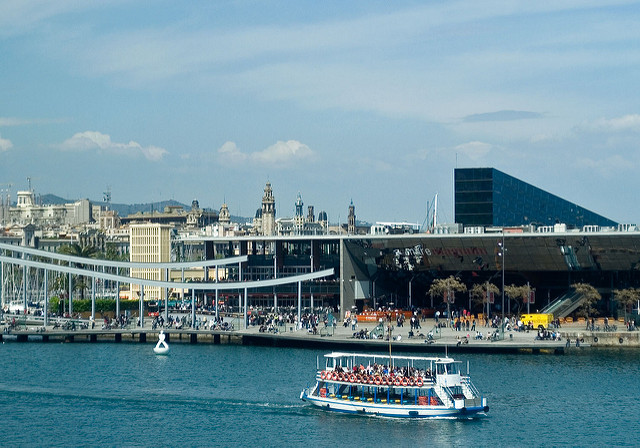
{"x": 337, "y": 355}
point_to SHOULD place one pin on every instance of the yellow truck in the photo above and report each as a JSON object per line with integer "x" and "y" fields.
{"x": 536, "y": 320}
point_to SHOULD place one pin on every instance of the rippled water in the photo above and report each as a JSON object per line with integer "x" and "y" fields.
{"x": 204, "y": 395}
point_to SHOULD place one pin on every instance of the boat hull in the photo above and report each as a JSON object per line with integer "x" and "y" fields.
{"x": 392, "y": 410}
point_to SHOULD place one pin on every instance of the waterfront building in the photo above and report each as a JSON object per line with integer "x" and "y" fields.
{"x": 488, "y": 197}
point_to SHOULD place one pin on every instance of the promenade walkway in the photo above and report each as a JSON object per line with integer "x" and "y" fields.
{"x": 342, "y": 338}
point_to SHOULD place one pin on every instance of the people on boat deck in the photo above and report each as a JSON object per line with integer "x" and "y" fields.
{"x": 384, "y": 370}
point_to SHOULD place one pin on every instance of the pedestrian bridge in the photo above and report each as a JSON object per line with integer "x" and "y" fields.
{"x": 34, "y": 260}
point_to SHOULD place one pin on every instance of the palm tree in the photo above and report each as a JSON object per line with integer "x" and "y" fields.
{"x": 76, "y": 250}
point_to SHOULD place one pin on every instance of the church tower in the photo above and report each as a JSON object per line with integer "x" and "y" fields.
{"x": 268, "y": 211}
{"x": 298, "y": 221}
{"x": 351, "y": 227}
{"x": 225, "y": 216}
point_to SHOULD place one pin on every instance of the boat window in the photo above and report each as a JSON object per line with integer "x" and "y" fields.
{"x": 449, "y": 368}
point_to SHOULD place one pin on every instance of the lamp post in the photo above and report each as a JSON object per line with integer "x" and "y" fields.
{"x": 410, "y": 291}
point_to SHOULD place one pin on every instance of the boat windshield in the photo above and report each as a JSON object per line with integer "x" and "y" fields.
{"x": 449, "y": 368}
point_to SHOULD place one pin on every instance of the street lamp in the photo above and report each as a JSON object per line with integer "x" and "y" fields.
{"x": 410, "y": 295}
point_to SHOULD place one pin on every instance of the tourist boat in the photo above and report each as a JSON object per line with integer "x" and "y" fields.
{"x": 395, "y": 386}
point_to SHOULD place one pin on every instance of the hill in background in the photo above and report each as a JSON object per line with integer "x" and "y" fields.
{"x": 127, "y": 209}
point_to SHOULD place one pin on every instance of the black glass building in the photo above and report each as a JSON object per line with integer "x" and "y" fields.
{"x": 488, "y": 197}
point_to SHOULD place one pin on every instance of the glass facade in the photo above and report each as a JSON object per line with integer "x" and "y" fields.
{"x": 488, "y": 197}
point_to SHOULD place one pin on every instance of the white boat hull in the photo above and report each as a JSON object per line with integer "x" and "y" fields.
{"x": 392, "y": 410}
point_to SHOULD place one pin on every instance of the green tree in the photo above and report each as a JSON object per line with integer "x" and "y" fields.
{"x": 517, "y": 294}
{"x": 591, "y": 296}
{"x": 446, "y": 288}
{"x": 479, "y": 293}
{"x": 627, "y": 298}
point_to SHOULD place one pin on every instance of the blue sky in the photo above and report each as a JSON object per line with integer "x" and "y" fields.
{"x": 375, "y": 102}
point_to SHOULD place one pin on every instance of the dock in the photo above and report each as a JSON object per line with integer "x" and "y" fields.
{"x": 339, "y": 338}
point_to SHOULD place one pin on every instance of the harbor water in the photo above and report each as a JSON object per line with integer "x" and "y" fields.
{"x": 107, "y": 394}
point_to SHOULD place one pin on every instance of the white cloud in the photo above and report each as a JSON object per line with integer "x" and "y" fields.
{"x": 284, "y": 153}
{"x": 9, "y": 121}
{"x": 5, "y": 144}
{"x": 230, "y": 154}
{"x": 625, "y": 123}
{"x": 280, "y": 155}
{"x": 92, "y": 140}
{"x": 22, "y": 16}
{"x": 12, "y": 121}
{"x": 612, "y": 165}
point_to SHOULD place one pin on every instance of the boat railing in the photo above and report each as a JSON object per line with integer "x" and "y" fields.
{"x": 466, "y": 381}
{"x": 445, "y": 394}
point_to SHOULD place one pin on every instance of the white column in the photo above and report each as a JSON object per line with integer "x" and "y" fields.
{"x": 46, "y": 298}
{"x": 141, "y": 306}
{"x": 93, "y": 298}
{"x": 70, "y": 294}
{"x": 299, "y": 301}
{"x": 193, "y": 308}
{"x": 246, "y": 300}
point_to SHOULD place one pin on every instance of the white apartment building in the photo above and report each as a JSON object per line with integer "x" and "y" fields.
{"x": 149, "y": 243}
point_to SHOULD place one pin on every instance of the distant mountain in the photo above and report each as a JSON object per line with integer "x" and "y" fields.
{"x": 129, "y": 209}
{"x": 122, "y": 209}
{"x": 51, "y": 199}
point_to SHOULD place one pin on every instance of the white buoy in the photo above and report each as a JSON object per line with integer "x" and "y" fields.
{"x": 161, "y": 348}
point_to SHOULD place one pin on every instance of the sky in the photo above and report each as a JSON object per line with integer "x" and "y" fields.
{"x": 373, "y": 102}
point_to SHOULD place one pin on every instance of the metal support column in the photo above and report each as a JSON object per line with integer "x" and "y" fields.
{"x": 206, "y": 279}
{"x": 275, "y": 275}
{"x": 246, "y": 301}
{"x": 24, "y": 288}
{"x": 299, "y": 302}
{"x": 311, "y": 283}
{"x": 141, "y": 318}
{"x": 117, "y": 300}
{"x": 166, "y": 296}
{"x": 217, "y": 303}
{"x": 46, "y": 298}
{"x": 93, "y": 298}
{"x": 70, "y": 294}
{"x": 193, "y": 308}
{"x": 217, "y": 295}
